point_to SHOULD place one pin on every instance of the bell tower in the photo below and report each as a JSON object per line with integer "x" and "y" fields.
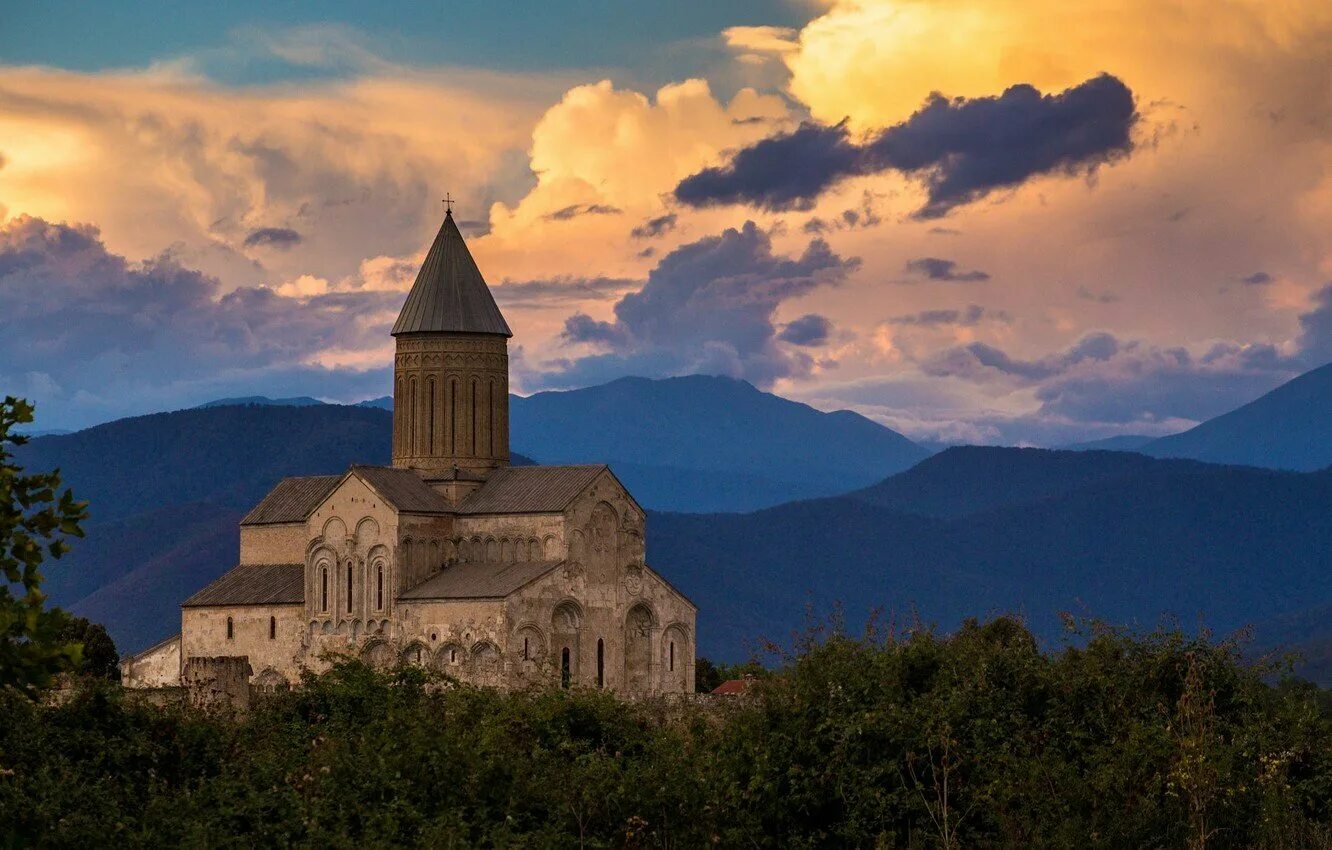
{"x": 451, "y": 368}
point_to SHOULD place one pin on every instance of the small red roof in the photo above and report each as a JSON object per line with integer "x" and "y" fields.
{"x": 734, "y": 686}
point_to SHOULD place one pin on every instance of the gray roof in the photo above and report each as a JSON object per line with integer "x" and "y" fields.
{"x": 254, "y": 584}
{"x": 480, "y": 581}
{"x": 450, "y": 294}
{"x": 404, "y": 489}
{"x": 292, "y": 500}
{"x": 530, "y": 489}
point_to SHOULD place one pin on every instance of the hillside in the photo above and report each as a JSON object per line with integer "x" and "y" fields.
{"x": 1289, "y": 428}
{"x": 687, "y": 439}
{"x": 1126, "y": 542}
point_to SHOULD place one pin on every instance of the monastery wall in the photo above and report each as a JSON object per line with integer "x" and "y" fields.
{"x": 271, "y": 636}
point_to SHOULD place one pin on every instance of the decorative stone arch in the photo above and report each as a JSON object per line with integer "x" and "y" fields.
{"x": 506, "y": 550}
{"x": 478, "y": 547}
{"x": 450, "y": 658}
{"x": 487, "y": 664}
{"x": 492, "y": 551}
{"x": 603, "y": 528}
{"x": 367, "y": 530}
{"x": 677, "y": 656}
{"x": 640, "y": 627}
{"x": 334, "y": 532}
{"x": 270, "y": 681}
{"x": 545, "y": 547}
{"x": 566, "y": 625}
{"x": 378, "y": 653}
{"x": 417, "y": 653}
{"x": 529, "y": 646}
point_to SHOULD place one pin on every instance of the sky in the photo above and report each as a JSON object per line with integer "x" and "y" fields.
{"x": 983, "y": 221}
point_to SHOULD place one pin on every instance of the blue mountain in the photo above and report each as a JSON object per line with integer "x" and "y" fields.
{"x": 1289, "y": 428}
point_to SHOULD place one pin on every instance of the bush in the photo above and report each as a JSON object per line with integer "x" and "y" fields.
{"x": 978, "y": 739}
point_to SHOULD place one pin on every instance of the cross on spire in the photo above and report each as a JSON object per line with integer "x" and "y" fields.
{"x": 448, "y": 203}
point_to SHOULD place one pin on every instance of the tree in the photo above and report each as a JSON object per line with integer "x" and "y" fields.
{"x": 100, "y": 657}
{"x": 34, "y": 523}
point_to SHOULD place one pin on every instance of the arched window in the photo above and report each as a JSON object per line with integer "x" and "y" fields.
{"x": 349, "y": 588}
{"x": 453, "y": 417}
{"x": 430, "y": 426}
{"x": 453, "y": 655}
{"x": 411, "y": 418}
{"x": 601, "y": 663}
{"x": 672, "y": 659}
{"x": 323, "y": 589}
{"x": 379, "y": 588}
{"x": 231, "y": 632}
{"x": 490, "y": 406}
{"x": 565, "y": 672}
{"x": 473, "y": 406}
{"x": 272, "y": 628}
{"x": 527, "y": 652}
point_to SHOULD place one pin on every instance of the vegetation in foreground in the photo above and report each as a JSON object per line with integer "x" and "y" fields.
{"x": 973, "y": 740}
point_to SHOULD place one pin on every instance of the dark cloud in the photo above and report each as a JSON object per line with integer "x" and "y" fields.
{"x": 1103, "y": 379}
{"x": 1098, "y": 297}
{"x": 707, "y": 307}
{"x": 969, "y": 316}
{"x": 92, "y": 336}
{"x": 1257, "y": 279}
{"x": 1315, "y": 340}
{"x": 850, "y": 219}
{"x": 578, "y": 210}
{"x": 654, "y": 227}
{"x": 935, "y": 268}
{"x": 559, "y": 291}
{"x": 273, "y": 237}
{"x": 811, "y": 330}
{"x": 961, "y": 149}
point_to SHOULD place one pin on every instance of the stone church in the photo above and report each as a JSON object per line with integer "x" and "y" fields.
{"x": 451, "y": 558}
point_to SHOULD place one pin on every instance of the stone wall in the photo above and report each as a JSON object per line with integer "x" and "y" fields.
{"x": 217, "y": 682}
{"x": 272, "y": 637}
{"x": 155, "y": 667}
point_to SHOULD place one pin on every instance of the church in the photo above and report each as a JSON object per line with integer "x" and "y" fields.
{"x": 451, "y": 558}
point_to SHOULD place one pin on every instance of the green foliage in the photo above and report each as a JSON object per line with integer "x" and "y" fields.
{"x": 909, "y": 740}
{"x": 100, "y": 657}
{"x": 33, "y": 524}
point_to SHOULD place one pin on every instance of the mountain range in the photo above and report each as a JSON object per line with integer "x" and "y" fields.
{"x": 696, "y": 443}
{"x": 1123, "y": 536}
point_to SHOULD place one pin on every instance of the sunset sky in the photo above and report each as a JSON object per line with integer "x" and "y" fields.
{"x": 971, "y": 220}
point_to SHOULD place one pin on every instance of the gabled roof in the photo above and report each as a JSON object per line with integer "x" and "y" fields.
{"x": 253, "y": 584}
{"x": 450, "y": 294}
{"x": 292, "y": 500}
{"x": 479, "y": 581}
{"x": 403, "y": 489}
{"x": 530, "y": 489}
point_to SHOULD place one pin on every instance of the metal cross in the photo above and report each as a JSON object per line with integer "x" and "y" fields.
{"x": 448, "y": 202}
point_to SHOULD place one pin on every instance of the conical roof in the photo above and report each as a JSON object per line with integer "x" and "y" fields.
{"x": 450, "y": 294}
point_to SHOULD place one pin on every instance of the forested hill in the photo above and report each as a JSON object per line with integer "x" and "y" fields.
{"x": 975, "y": 531}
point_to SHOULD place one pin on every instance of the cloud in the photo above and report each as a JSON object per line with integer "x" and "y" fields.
{"x": 1257, "y": 279}
{"x": 1104, "y": 379}
{"x": 274, "y": 237}
{"x": 935, "y": 268}
{"x": 707, "y": 307}
{"x": 969, "y": 316}
{"x": 1315, "y": 339}
{"x": 961, "y": 149}
{"x": 654, "y": 227}
{"x": 559, "y": 291}
{"x": 761, "y": 39}
{"x": 811, "y": 330}
{"x": 1086, "y": 294}
{"x": 575, "y": 210}
{"x": 98, "y": 336}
